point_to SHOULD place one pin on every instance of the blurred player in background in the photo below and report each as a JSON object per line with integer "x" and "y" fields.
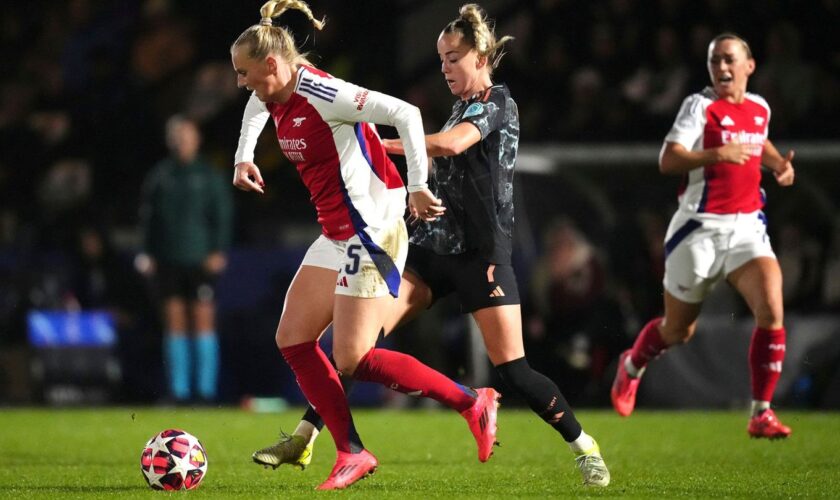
{"x": 351, "y": 274}
{"x": 467, "y": 250}
{"x": 186, "y": 216}
{"x": 719, "y": 143}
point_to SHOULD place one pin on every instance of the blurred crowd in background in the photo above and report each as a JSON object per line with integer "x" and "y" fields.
{"x": 86, "y": 87}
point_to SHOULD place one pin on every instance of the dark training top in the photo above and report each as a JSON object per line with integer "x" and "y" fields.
{"x": 187, "y": 212}
{"x": 476, "y": 186}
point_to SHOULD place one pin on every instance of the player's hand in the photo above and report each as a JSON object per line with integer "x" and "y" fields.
{"x": 785, "y": 175}
{"x": 393, "y": 146}
{"x": 215, "y": 263}
{"x": 423, "y": 205}
{"x": 735, "y": 152}
{"x": 247, "y": 177}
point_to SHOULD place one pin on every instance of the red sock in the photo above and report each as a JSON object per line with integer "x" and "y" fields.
{"x": 406, "y": 374}
{"x": 648, "y": 345}
{"x": 320, "y": 384}
{"x": 767, "y": 351}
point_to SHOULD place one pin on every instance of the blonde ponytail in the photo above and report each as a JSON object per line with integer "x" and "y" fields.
{"x": 264, "y": 38}
{"x": 273, "y": 8}
{"x": 479, "y": 32}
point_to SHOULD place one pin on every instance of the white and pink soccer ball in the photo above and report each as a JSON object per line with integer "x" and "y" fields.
{"x": 173, "y": 460}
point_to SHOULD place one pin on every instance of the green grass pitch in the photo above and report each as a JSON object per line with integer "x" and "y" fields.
{"x": 95, "y": 453}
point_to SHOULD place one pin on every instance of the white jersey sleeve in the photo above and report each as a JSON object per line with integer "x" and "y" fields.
{"x": 352, "y": 103}
{"x": 253, "y": 121}
{"x": 690, "y": 122}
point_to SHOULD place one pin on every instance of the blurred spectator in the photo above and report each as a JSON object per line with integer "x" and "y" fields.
{"x": 104, "y": 280}
{"x": 187, "y": 229}
{"x": 800, "y": 257}
{"x": 572, "y": 319}
{"x": 658, "y": 87}
{"x": 785, "y": 79}
{"x": 637, "y": 252}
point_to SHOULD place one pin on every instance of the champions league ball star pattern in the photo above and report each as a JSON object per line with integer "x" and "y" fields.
{"x": 173, "y": 460}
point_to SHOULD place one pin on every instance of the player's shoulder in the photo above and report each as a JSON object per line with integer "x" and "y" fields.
{"x": 757, "y": 99}
{"x": 696, "y": 103}
{"x": 703, "y": 97}
{"x": 318, "y": 84}
{"x": 494, "y": 98}
{"x": 499, "y": 92}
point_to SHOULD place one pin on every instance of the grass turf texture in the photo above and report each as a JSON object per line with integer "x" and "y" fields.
{"x": 95, "y": 453}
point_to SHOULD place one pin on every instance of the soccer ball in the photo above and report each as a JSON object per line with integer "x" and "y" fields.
{"x": 173, "y": 460}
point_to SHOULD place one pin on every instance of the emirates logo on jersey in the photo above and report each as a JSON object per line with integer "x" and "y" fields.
{"x": 754, "y": 139}
{"x": 293, "y": 149}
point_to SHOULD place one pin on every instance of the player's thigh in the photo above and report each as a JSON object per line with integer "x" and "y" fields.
{"x": 175, "y": 313}
{"x": 356, "y": 325}
{"x": 307, "y": 311}
{"x": 501, "y": 329}
{"x": 203, "y": 313}
{"x": 482, "y": 285}
{"x": 759, "y": 281}
{"x": 373, "y": 262}
{"x": 693, "y": 267}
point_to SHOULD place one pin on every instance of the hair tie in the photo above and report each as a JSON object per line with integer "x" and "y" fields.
{"x": 266, "y": 21}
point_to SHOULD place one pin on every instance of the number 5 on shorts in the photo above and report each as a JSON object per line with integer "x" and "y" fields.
{"x": 353, "y": 253}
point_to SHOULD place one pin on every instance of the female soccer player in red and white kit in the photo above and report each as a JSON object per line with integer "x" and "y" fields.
{"x": 719, "y": 143}
{"x": 351, "y": 274}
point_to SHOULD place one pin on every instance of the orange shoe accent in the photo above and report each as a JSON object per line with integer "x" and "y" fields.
{"x": 349, "y": 468}
{"x": 481, "y": 417}
{"x": 767, "y": 425}
{"x": 623, "y": 391}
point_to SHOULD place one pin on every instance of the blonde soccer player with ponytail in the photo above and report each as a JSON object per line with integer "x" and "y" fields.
{"x": 351, "y": 274}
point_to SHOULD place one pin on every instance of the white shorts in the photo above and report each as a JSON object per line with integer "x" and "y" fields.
{"x": 369, "y": 264}
{"x": 700, "y": 249}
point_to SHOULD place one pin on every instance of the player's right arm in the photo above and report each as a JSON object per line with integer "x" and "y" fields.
{"x": 450, "y": 142}
{"x": 246, "y": 175}
{"x": 679, "y": 155}
{"x": 676, "y": 159}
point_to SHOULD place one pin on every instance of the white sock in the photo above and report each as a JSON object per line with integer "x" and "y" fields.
{"x": 631, "y": 368}
{"x": 758, "y": 407}
{"x": 307, "y": 430}
{"x": 583, "y": 443}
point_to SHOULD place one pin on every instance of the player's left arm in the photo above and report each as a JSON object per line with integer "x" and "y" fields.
{"x": 358, "y": 104}
{"x": 782, "y": 166}
{"x": 352, "y": 103}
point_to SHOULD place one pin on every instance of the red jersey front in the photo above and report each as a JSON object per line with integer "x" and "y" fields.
{"x": 324, "y": 129}
{"x": 706, "y": 121}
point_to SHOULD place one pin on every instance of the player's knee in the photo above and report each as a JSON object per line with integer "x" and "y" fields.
{"x": 284, "y": 337}
{"x": 769, "y": 316}
{"x": 346, "y": 360}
